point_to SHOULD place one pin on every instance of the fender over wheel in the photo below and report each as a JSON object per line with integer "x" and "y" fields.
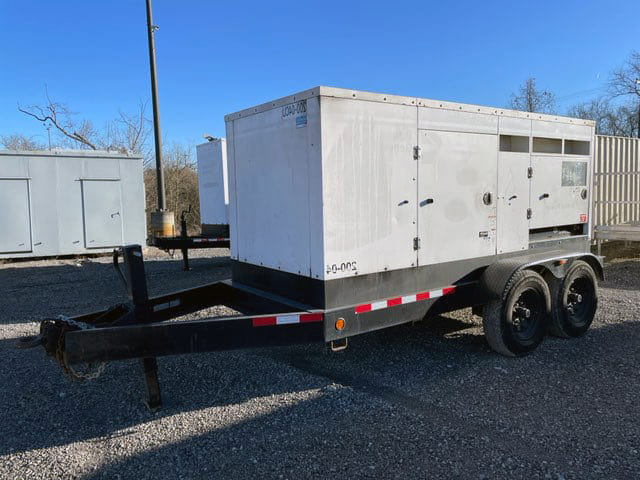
{"x": 515, "y": 324}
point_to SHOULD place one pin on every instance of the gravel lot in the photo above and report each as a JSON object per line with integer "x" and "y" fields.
{"x": 428, "y": 400}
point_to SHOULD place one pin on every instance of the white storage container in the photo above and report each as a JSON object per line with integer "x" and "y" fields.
{"x": 69, "y": 202}
{"x": 213, "y": 184}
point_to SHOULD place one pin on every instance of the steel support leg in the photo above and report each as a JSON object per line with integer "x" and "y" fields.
{"x": 185, "y": 258}
{"x": 136, "y": 281}
{"x": 185, "y": 235}
{"x": 150, "y": 370}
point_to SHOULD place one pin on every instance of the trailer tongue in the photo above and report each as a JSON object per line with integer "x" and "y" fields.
{"x": 146, "y": 328}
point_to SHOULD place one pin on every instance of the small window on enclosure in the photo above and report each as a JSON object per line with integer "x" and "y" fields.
{"x": 547, "y": 145}
{"x": 514, "y": 143}
{"x": 576, "y": 147}
{"x": 574, "y": 174}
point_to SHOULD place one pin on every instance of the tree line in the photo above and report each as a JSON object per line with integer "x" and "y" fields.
{"x": 616, "y": 112}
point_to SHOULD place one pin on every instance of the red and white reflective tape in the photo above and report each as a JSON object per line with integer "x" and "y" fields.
{"x": 392, "y": 302}
{"x": 287, "y": 319}
{"x": 200, "y": 240}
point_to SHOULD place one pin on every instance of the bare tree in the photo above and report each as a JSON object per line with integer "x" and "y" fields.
{"x": 181, "y": 184}
{"x": 531, "y": 99}
{"x": 127, "y": 133}
{"x": 610, "y": 119}
{"x": 59, "y": 115}
{"x": 18, "y": 141}
{"x": 624, "y": 83}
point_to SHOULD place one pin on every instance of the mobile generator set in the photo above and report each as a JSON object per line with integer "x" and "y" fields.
{"x": 352, "y": 211}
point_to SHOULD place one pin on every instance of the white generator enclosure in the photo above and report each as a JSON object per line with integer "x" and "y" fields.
{"x": 213, "y": 185}
{"x": 69, "y": 202}
{"x": 332, "y": 183}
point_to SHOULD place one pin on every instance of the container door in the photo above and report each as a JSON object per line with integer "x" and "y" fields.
{"x": 102, "y": 213}
{"x": 15, "y": 216}
{"x": 513, "y": 202}
{"x": 456, "y": 196}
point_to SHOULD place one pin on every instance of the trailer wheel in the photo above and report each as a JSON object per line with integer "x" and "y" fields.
{"x": 574, "y": 300}
{"x": 517, "y": 323}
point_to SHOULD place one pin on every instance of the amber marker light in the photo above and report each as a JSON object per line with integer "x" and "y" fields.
{"x": 340, "y": 324}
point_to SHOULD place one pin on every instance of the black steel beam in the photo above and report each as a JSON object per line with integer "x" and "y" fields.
{"x": 178, "y": 243}
{"x": 183, "y": 302}
{"x": 180, "y": 337}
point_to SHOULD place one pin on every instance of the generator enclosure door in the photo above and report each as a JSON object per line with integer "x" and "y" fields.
{"x": 15, "y": 216}
{"x": 456, "y": 196}
{"x": 513, "y": 201}
{"x": 369, "y": 196}
{"x": 559, "y": 194}
{"x": 102, "y": 211}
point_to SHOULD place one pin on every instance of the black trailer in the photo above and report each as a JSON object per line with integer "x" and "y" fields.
{"x": 521, "y": 298}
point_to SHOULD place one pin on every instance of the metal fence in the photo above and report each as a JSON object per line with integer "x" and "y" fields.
{"x": 616, "y": 183}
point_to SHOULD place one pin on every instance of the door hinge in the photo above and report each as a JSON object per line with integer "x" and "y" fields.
{"x": 417, "y": 152}
{"x": 529, "y": 213}
{"x": 529, "y": 172}
{"x": 416, "y": 243}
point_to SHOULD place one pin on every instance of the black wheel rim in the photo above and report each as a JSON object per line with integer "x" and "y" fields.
{"x": 526, "y": 315}
{"x": 579, "y": 300}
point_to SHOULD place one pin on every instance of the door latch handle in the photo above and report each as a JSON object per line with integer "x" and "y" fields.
{"x": 404, "y": 202}
{"x": 544, "y": 195}
{"x": 513, "y": 197}
{"x": 426, "y": 202}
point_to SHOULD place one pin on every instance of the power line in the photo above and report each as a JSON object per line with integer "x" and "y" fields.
{"x": 580, "y": 93}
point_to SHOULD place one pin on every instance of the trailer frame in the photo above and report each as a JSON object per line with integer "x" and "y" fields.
{"x": 149, "y": 327}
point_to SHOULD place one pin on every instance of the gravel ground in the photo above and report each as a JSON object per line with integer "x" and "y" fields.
{"x": 428, "y": 400}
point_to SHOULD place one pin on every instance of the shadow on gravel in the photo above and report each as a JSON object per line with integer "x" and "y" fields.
{"x": 428, "y": 398}
{"x": 30, "y": 294}
{"x": 414, "y": 368}
{"x": 414, "y": 402}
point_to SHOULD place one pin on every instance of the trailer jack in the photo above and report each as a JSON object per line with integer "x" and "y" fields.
{"x": 150, "y": 371}
{"x": 184, "y": 242}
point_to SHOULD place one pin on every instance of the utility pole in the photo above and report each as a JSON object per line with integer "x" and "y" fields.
{"x": 638, "y": 90}
{"x": 162, "y": 221}
{"x": 151, "y": 28}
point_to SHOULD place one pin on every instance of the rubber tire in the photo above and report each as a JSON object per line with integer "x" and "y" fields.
{"x": 497, "y": 315}
{"x": 561, "y": 325}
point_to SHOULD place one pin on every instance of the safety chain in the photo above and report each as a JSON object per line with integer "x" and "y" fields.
{"x": 89, "y": 370}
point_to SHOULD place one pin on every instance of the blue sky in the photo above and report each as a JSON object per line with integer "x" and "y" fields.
{"x": 218, "y": 57}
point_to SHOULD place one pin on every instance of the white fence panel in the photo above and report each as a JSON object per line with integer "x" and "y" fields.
{"x": 616, "y": 196}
